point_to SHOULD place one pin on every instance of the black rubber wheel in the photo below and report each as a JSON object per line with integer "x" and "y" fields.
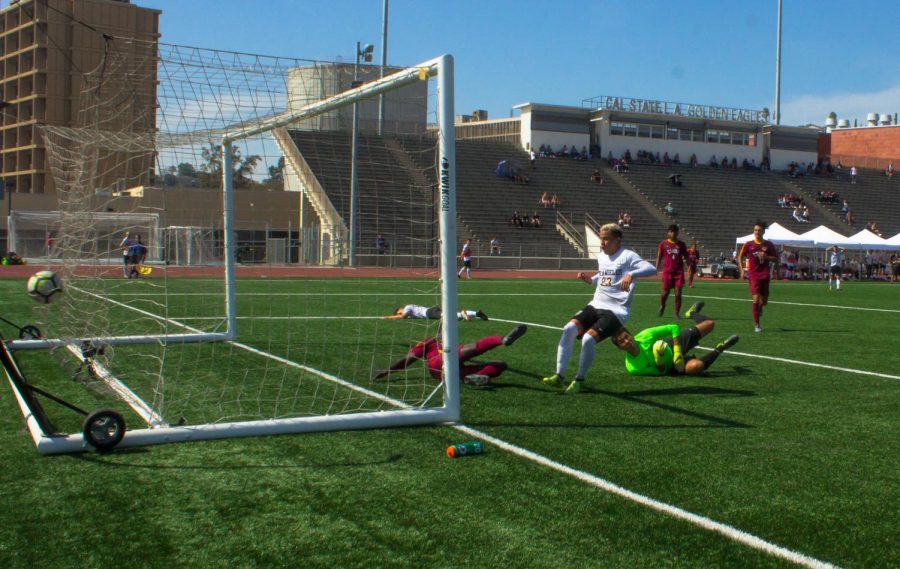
{"x": 721, "y": 274}
{"x": 104, "y": 429}
{"x": 30, "y": 332}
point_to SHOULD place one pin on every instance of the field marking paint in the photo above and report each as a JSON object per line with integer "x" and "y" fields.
{"x": 703, "y": 522}
{"x": 745, "y": 354}
{"x": 785, "y": 302}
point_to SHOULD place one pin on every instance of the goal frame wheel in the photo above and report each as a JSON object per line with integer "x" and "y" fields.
{"x": 103, "y": 429}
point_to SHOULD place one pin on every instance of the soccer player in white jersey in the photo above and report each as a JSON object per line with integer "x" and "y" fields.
{"x": 835, "y": 265}
{"x": 607, "y": 312}
{"x": 417, "y": 311}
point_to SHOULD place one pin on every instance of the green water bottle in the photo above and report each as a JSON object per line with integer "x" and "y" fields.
{"x": 465, "y": 449}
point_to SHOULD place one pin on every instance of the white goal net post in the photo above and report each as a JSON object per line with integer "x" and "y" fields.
{"x": 167, "y": 345}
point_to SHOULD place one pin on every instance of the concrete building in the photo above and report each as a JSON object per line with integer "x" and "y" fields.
{"x": 45, "y": 47}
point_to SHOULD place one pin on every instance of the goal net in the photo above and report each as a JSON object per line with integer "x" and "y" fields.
{"x": 221, "y": 240}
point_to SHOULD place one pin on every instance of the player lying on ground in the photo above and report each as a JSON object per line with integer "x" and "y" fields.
{"x": 432, "y": 313}
{"x": 429, "y": 350}
{"x": 662, "y": 350}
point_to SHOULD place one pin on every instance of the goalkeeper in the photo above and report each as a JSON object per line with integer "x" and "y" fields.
{"x": 662, "y": 350}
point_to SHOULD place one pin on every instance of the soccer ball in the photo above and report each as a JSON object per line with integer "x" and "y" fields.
{"x": 43, "y": 286}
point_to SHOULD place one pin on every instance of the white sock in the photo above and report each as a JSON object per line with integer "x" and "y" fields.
{"x": 588, "y": 348}
{"x": 566, "y": 343}
{"x": 838, "y": 281}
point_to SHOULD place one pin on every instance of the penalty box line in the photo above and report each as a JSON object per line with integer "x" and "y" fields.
{"x": 745, "y": 354}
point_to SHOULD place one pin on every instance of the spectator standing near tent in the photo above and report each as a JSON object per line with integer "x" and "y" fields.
{"x": 466, "y": 256}
{"x": 760, "y": 255}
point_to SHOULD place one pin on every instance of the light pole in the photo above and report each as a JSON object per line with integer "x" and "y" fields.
{"x": 364, "y": 51}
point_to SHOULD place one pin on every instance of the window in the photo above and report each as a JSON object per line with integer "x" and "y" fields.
{"x": 629, "y": 129}
{"x": 644, "y": 131}
{"x": 672, "y": 133}
{"x": 656, "y": 131}
{"x": 615, "y": 128}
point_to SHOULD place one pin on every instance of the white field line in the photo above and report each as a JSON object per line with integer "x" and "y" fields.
{"x": 703, "y": 522}
{"x": 745, "y": 354}
{"x": 700, "y": 521}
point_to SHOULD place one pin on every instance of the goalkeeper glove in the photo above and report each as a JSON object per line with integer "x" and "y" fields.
{"x": 679, "y": 358}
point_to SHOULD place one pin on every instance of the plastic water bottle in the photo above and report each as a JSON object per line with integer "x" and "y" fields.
{"x": 465, "y": 449}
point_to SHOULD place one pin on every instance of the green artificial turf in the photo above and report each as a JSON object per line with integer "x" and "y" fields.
{"x": 801, "y": 456}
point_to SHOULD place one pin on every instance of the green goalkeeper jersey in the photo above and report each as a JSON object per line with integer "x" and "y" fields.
{"x": 643, "y": 363}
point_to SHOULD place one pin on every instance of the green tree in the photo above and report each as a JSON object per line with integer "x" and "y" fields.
{"x": 187, "y": 169}
{"x": 210, "y": 174}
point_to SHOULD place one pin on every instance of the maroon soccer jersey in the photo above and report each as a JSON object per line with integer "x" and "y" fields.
{"x": 758, "y": 267}
{"x": 693, "y": 256}
{"x": 673, "y": 255}
{"x": 425, "y": 349}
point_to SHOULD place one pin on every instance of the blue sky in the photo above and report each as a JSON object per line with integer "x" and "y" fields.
{"x": 836, "y": 55}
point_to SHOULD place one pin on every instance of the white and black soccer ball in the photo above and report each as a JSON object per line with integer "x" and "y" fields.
{"x": 43, "y": 286}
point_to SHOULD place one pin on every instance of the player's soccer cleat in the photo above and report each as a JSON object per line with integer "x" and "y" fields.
{"x": 574, "y": 387}
{"x": 481, "y": 314}
{"x": 554, "y": 380}
{"x": 476, "y": 379}
{"x": 758, "y": 329}
{"x": 661, "y": 310}
{"x": 694, "y": 309}
{"x": 516, "y": 333}
{"x": 729, "y": 341}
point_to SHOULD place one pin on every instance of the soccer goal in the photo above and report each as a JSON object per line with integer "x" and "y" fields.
{"x": 328, "y": 169}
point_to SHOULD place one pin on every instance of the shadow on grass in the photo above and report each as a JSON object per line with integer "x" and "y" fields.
{"x": 111, "y": 459}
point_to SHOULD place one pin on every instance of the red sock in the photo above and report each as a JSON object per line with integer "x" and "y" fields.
{"x": 756, "y": 312}
{"x": 678, "y": 304}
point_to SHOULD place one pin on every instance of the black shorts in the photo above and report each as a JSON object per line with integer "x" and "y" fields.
{"x": 467, "y": 263}
{"x": 689, "y": 339}
{"x": 433, "y": 313}
{"x": 896, "y": 269}
{"x": 602, "y": 321}
{"x": 834, "y": 270}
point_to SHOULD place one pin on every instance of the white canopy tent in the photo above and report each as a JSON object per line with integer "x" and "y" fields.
{"x": 895, "y": 240}
{"x": 821, "y": 236}
{"x": 780, "y": 235}
{"x": 865, "y": 239}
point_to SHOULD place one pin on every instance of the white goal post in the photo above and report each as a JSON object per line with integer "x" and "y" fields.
{"x": 391, "y": 411}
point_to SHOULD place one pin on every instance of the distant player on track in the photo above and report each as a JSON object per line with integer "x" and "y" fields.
{"x": 466, "y": 256}
{"x": 609, "y": 310}
{"x": 429, "y": 350}
{"x": 835, "y": 265}
{"x": 663, "y": 350}
{"x": 671, "y": 254}
{"x": 416, "y": 311}
{"x": 761, "y": 256}
{"x": 693, "y": 257}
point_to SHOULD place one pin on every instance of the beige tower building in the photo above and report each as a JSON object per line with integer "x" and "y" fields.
{"x": 45, "y": 47}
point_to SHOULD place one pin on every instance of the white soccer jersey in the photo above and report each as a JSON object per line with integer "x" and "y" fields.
{"x": 835, "y": 258}
{"x": 415, "y": 311}
{"x": 611, "y": 270}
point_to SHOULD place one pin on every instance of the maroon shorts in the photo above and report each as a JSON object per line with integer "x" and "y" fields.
{"x": 759, "y": 286}
{"x": 672, "y": 280}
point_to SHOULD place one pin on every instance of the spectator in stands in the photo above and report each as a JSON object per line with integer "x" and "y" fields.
{"x": 849, "y": 217}
{"x": 803, "y": 268}
{"x": 526, "y": 221}
{"x": 713, "y": 162}
{"x": 597, "y": 176}
{"x": 890, "y": 171}
{"x": 676, "y": 160}
{"x": 515, "y": 220}
{"x": 533, "y": 157}
{"x": 675, "y": 179}
{"x": 521, "y": 178}
{"x": 845, "y": 208}
{"x": 545, "y": 200}
{"x": 536, "y": 220}
{"x": 666, "y": 160}
{"x": 628, "y": 155}
{"x": 734, "y": 164}
{"x": 670, "y": 210}
{"x": 495, "y": 246}
{"x": 693, "y": 161}
{"x": 585, "y": 155}
{"x": 852, "y": 174}
{"x": 621, "y": 220}
{"x": 724, "y": 162}
{"x": 621, "y": 166}
{"x": 805, "y": 214}
{"x": 798, "y": 214}
{"x": 380, "y": 245}
{"x": 874, "y": 229}
{"x": 564, "y": 153}
{"x": 609, "y": 159}
{"x": 764, "y": 165}
{"x": 555, "y": 202}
